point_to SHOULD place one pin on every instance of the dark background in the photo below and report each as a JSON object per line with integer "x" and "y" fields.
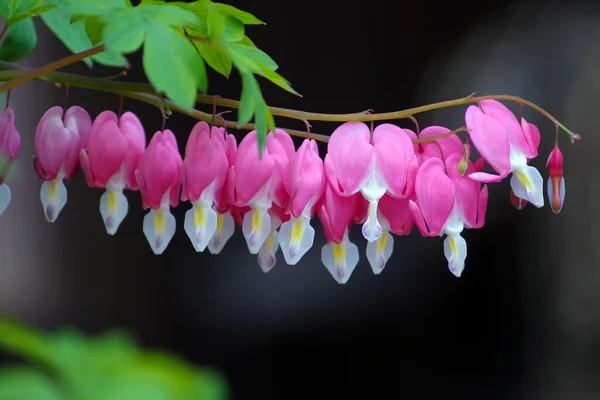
{"x": 522, "y": 322}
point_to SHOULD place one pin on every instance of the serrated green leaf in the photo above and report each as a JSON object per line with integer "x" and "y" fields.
{"x": 249, "y": 56}
{"x": 173, "y": 65}
{"x": 243, "y": 16}
{"x": 27, "y": 383}
{"x": 10, "y": 8}
{"x": 215, "y": 56}
{"x": 19, "y": 42}
{"x": 74, "y": 37}
{"x": 125, "y": 34}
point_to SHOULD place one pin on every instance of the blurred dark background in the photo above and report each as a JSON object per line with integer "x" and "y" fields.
{"x": 522, "y": 322}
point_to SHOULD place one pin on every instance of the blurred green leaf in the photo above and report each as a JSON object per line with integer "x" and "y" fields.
{"x": 22, "y": 383}
{"x": 94, "y": 29}
{"x": 10, "y": 8}
{"x": 215, "y": 56}
{"x": 75, "y": 38}
{"x": 173, "y": 65}
{"x": 252, "y": 103}
{"x": 243, "y": 16}
{"x": 19, "y": 42}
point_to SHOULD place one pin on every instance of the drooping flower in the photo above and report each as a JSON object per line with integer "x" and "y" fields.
{"x": 159, "y": 178}
{"x": 267, "y": 255}
{"x": 506, "y": 145}
{"x": 556, "y": 181}
{"x": 395, "y": 217}
{"x": 204, "y": 170}
{"x": 109, "y": 159}
{"x": 339, "y": 255}
{"x": 441, "y": 147}
{"x": 227, "y": 213}
{"x": 518, "y": 202}
{"x": 259, "y": 183}
{"x": 10, "y": 144}
{"x": 385, "y": 164}
{"x": 305, "y": 183}
{"x": 59, "y": 138}
{"x": 446, "y": 203}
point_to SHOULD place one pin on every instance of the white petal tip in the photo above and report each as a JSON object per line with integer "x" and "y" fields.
{"x": 5, "y": 197}
{"x": 53, "y": 195}
{"x": 159, "y": 229}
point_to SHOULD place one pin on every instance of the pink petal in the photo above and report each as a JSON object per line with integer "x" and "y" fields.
{"x": 336, "y": 213}
{"x": 467, "y": 191}
{"x": 507, "y": 119}
{"x": 281, "y": 147}
{"x": 491, "y": 141}
{"x": 532, "y": 137}
{"x": 393, "y": 155}
{"x": 53, "y": 142}
{"x": 10, "y": 141}
{"x": 79, "y": 124}
{"x": 305, "y": 178}
{"x": 251, "y": 173}
{"x": 159, "y": 170}
{"x": 106, "y": 148}
{"x": 397, "y": 213}
{"x": 351, "y": 154}
{"x": 449, "y": 144}
{"x": 133, "y": 130}
{"x": 206, "y": 162}
{"x": 435, "y": 195}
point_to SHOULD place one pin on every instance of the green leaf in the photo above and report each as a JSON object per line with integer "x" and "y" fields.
{"x": 125, "y": 34}
{"x": 10, "y": 8}
{"x": 27, "y": 383}
{"x": 234, "y": 29}
{"x": 94, "y": 29}
{"x": 92, "y": 7}
{"x": 168, "y": 15}
{"x": 250, "y": 56}
{"x": 243, "y": 16}
{"x": 173, "y": 65}
{"x": 19, "y": 42}
{"x": 215, "y": 23}
{"x": 246, "y": 41}
{"x": 247, "y": 99}
{"x": 215, "y": 56}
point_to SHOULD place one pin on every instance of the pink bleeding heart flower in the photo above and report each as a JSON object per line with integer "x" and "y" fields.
{"x": 10, "y": 144}
{"x": 506, "y": 145}
{"x": 441, "y": 148}
{"x": 159, "y": 178}
{"x": 534, "y": 134}
{"x": 267, "y": 254}
{"x": 385, "y": 164}
{"x": 395, "y": 217}
{"x": 227, "y": 213}
{"x": 59, "y": 138}
{"x": 556, "y": 181}
{"x": 109, "y": 159}
{"x": 305, "y": 183}
{"x": 205, "y": 169}
{"x": 339, "y": 255}
{"x": 259, "y": 183}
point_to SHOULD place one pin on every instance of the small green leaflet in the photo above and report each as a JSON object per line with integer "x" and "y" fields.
{"x": 252, "y": 103}
{"x": 75, "y": 38}
{"x": 19, "y": 42}
{"x": 173, "y": 65}
{"x": 27, "y": 383}
{"x": 14, "y": 11}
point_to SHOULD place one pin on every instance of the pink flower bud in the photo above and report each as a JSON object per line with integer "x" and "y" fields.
{"x": 556, "y": 181}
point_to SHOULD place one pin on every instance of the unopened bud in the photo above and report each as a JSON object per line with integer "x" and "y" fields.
{"x": 556, "y": 182}
{"x": 463, "y": 164}
{"x": 517, "y": 202}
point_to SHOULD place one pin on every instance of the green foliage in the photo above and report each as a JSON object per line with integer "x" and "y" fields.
{"x": 14, "y": 11}
{"x": 107, "y": 367}
{"x": 178, "y": 39}
{"x": 19, "y": 42}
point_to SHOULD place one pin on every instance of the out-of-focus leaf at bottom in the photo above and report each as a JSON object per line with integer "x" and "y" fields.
{"x": 22, "y": 383}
